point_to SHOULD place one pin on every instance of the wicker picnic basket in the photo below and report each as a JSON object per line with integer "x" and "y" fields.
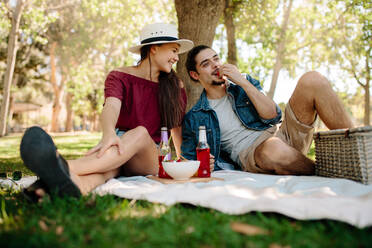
{"x": 344, "y": 153}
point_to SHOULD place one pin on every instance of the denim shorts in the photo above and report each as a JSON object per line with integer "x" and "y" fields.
{"x": 119, "y": 132}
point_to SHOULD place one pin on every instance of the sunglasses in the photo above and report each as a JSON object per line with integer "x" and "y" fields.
{"x": 15, "y": 175}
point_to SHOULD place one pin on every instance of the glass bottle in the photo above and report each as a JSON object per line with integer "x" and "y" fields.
{"x": 203, "y": 154}
{"x": 164, "y": 152}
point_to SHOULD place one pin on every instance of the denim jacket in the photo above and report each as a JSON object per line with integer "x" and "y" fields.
{"x": 201, "y": 114}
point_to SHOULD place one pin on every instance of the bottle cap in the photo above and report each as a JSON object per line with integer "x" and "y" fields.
{"x": 164, "y": 129}
{"x": 201, "y": 127}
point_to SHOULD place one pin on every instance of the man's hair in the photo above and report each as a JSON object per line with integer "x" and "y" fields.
{"x": 190, "y": 62}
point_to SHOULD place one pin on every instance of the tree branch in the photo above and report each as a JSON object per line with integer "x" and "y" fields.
{"x": 6, "y": 3}
{"x": 60, "y": 7}
{"x": 357, "y": 79}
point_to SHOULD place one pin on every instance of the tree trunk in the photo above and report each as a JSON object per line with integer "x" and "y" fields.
{"x": 84, "y": 124}
{"x": 228, "y": 14}
{"x": 11, "y": 111}
{"x": 69, "y": 113}
{"x": 57, "y": 89}
{"x": 280, "y": 50}
{"x": 197, "y": 21}
{"x": 95, "y": 122}
{"x": 11, "y": 59}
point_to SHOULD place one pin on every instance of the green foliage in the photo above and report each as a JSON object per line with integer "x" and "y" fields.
{"x": 93, "y": 39}
{"x": 31, "y": 68}
{"x": 5, "y": 23}
{"x": 36, "y": 20}
{"x": 351, "y": 36}
{"x": 94, "y": 36}
{"x": 258, "y": 24}
{"x": 321, "y": 34}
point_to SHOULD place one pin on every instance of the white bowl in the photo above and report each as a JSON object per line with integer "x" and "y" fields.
{"x": 181, "y": 170}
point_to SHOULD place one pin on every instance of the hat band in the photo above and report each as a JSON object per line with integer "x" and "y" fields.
{"x": 160, "y": 38}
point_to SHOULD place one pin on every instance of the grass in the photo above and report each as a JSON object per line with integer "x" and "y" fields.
{"x": 108, "y": 221}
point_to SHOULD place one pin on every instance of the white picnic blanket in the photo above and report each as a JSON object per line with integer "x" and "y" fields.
{"x": 300, "y": 197}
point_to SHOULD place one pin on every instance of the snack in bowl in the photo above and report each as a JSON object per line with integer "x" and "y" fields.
{"x": 182, "y": 170}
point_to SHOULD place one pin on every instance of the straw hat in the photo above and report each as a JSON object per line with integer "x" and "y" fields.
{"x": 159, "y": 33}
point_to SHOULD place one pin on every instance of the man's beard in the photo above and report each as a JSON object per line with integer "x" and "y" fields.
{"x": 218, "y": 83}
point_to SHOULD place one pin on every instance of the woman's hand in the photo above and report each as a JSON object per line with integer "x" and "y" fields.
{"x": 106, "y": 142}
{"x": 211, "y": 162}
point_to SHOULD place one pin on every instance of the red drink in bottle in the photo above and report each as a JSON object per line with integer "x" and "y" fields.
{"x": 204, "y": 168}
{"x": 161, "y": 172}
{"x": 203, "y": 154}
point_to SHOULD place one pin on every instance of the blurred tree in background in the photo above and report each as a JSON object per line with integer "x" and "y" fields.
{"x": 320, "y": 34}
{"x": 349, "y": 44}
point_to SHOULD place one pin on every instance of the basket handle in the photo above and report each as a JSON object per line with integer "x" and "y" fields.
{"x": 347, "y": 133}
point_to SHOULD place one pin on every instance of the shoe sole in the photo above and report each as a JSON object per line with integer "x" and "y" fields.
{"x": 39, "y": 154}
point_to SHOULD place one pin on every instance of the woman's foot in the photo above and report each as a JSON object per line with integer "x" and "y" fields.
{"x": 40, "y": 155}
{"x": 35, "y": 192}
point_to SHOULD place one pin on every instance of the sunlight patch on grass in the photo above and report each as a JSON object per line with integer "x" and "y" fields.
{"x": 71, "y": 146}
{"x": 130, "y": 209}
{"x": 9, "y": 147}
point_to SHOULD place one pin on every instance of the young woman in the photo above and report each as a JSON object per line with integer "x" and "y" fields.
{"x": 138, "y": 101}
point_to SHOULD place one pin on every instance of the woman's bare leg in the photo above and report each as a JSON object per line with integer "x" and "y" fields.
{"x": 86, "y": 183}
{"x": 139, "y": 155}
{"x": 89, "y": 182}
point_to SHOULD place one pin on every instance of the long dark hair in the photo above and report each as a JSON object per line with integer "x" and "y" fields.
{"x": 171, "y": 102}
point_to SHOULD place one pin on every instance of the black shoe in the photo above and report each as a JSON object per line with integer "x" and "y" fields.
{"x": 40, "y": 155}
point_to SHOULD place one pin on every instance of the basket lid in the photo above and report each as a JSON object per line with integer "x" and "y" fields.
{"x": 345, "y": 132}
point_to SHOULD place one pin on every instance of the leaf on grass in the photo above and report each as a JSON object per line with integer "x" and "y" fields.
{"x": 246, "y": 229}
{"x": 59, "y": 230}
{"x": 274, "y": 245}
{"x": 91, "y": 202}
{"x": 295, "y": 225}
{"x": 190, "y": 229}
{"x": 43, "y": 226}
{"x": 132, "y": 203}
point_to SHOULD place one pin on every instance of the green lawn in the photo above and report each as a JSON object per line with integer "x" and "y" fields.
{"x": 109, "y": 221}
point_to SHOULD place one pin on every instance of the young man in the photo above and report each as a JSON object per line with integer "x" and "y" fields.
{"x": 242, "y": 123}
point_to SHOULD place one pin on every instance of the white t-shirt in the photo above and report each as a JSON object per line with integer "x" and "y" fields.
{"x": 235, "y": 137}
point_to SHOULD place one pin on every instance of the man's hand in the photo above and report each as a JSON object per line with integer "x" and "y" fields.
{"x": 232, "y": 73}
{"x": 211, "y": 162}
{"x": 106, "y": 142}
{"x": 265, "y": 106}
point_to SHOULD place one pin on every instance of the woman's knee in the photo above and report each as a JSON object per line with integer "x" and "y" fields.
{"x": 139, "y": 134}
{"x": 141, "y": 137}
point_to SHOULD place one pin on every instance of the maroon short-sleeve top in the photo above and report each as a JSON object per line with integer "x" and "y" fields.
{"x": 139, "y": 102}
